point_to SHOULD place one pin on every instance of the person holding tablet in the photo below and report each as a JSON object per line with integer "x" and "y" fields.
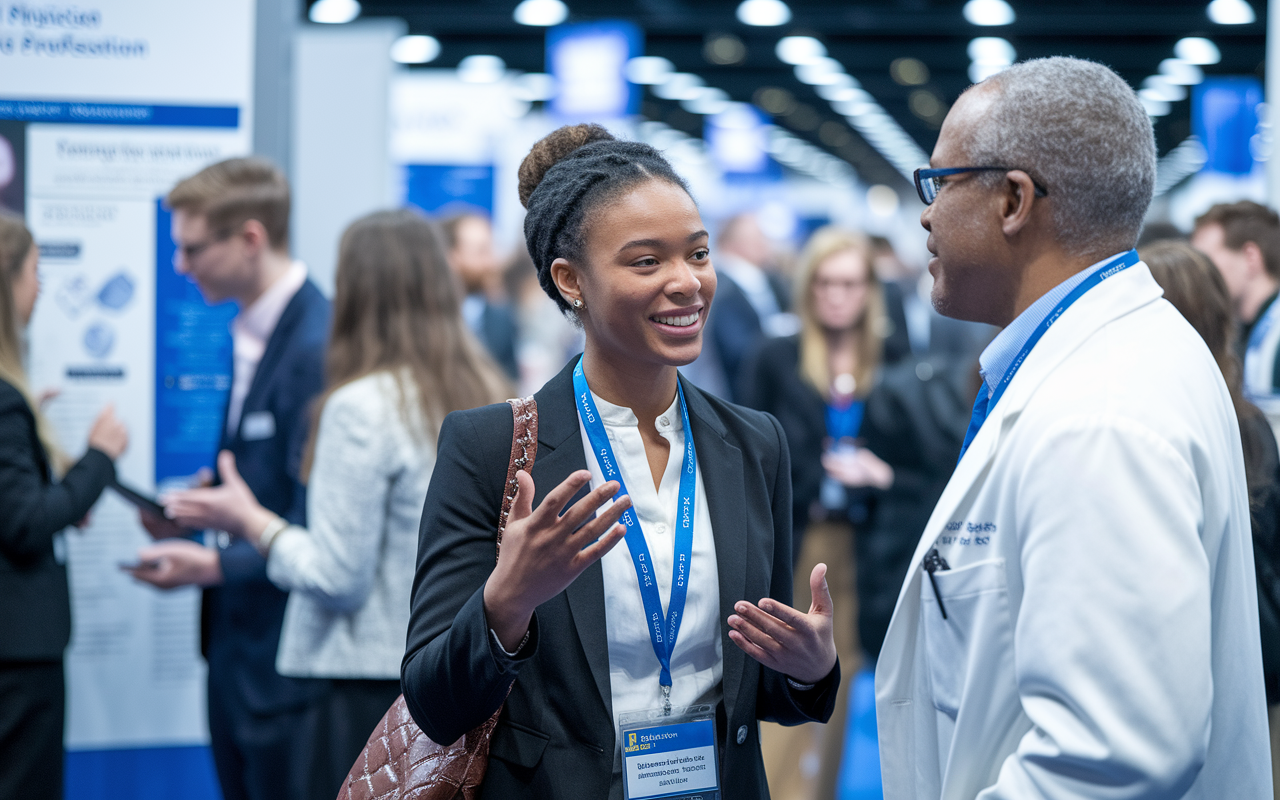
{"x": 35, "y": 602}
{"x": 635, "y": 650}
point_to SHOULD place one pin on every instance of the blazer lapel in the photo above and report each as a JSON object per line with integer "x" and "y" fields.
{"x": 560, "y": 454}
{"x": 722, "y": 476}
{"x": 277, "y": 344}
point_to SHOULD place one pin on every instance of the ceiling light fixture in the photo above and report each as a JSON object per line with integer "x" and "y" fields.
{"x": 764, "y": 13}
{"x": 796, "y": 50}
{"x": 648, "y": 70}
{"x": 1175, "y": 70}
{"x": 989, "y": 12}
{"x": 1231, "y": 12}
{"x": 707, "y": 101}
{"x": 838, "y": 92}
{"x": 334, "y": 12}
{"x": 415, "y": 49}
{"x": 1197, "y": 50}
{"x": 679, "y": 86}
{"x": 481, "y": 69}
{"x": 1164, "y": 90}
{"x": 979, "y": 72}
{"x": 1153, "y": 104}
{"x": 991, "y": 50}
{"x": 822, "y": 71}
{"x": 541, "y": 13}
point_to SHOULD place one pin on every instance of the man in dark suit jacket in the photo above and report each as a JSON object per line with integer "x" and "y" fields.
{"x": 469, "y": 242}
{"x": 751, "y": 302}
{"x": 234, "y": 246}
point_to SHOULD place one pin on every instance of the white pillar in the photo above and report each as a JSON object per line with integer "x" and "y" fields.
{"x": 1273, "y": 101}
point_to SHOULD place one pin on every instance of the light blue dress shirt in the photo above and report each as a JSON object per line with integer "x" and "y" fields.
{"x": 1003, "y": 350}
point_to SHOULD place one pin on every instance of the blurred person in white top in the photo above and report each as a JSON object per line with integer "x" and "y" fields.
{"x": 400, "y": 358}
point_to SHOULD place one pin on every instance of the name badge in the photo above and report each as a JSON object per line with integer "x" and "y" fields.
{"x": 670, "y": 756}
{"x": 257, "y": 426}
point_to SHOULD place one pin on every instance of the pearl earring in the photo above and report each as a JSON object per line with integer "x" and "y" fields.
{"x": 577, "y": 302}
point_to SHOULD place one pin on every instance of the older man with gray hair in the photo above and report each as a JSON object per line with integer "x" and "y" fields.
{"x": 1080, "y": 619}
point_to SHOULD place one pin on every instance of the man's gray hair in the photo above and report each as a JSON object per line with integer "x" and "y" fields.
{"x": 1082, "y": 134}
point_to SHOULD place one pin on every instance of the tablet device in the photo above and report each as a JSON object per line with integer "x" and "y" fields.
{"x": 137, "y": 498}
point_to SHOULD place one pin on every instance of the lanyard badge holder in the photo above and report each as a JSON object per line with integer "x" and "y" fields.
{"x": 670, "y": 753}
{"x": 666, "y": 752}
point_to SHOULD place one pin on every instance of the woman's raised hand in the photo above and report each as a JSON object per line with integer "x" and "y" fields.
{"x": 800, "y": 646}
{"x": 543, "y": 551}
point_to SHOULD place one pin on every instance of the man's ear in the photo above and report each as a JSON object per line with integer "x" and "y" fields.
{"x": 255, "y": 236}
{"x": 565, "y": 275}
{"x": 1254, "y": 259}
{"x": 1018, "y": 200}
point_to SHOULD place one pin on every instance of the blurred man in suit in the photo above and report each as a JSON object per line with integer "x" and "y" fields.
{"x": 468, "y": 239}
{"x": 231, "y": 228}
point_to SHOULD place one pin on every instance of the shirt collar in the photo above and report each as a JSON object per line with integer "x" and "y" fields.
{"x": 622, "y": 417}
{"x": 260, "y": 318}
{"x": 999, "y": 356}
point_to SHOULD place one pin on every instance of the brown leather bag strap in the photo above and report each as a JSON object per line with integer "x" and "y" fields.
{"x": 524, "y": 449}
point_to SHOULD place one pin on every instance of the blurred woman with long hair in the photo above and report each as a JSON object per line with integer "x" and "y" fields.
{"x": 400, "y": 358}
{"x": 1195, "y": 287}
{"x": 35, "y": 604}
{"x": 817, "y": 383}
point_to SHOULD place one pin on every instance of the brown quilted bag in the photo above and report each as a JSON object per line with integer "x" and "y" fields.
{"x": 399, "y": 762}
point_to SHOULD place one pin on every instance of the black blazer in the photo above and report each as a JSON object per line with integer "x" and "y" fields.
{"x": 555, "y": 738}
{"x": 241, "y": 619}
{"x": 734, "y": 326}
{"x": 35, "y": 604}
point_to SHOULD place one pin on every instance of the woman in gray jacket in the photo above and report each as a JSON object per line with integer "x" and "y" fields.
{"x": 400, "y": 358}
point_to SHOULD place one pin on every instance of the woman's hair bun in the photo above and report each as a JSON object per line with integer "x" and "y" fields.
{"x": 553, "y": 148}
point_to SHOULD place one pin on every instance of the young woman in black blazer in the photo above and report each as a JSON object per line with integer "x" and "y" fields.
{"x": 618, "y": 243}
{"x": 35, "y": 605}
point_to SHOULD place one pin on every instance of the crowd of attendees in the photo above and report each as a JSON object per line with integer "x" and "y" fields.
{"x": 336, "y": 409}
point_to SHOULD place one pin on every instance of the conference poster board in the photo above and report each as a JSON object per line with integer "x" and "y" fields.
{"x": 103, "y": 107}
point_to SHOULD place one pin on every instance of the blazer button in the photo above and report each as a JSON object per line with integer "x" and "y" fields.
{"x": 742, "y": 734}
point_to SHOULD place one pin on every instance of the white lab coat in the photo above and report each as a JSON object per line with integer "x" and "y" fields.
{"x": 1102, "y": 632}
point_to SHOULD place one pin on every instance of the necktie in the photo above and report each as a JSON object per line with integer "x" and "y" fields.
{"x": 981, "y": 405}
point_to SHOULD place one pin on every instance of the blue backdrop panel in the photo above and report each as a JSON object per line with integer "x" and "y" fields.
{"x": 860, "y": 765}
{"x": 193, "y": 366}
{"x": 1224, "y": 115}
{"x": 442, "y": 189}
{"x": 152, "y": 773}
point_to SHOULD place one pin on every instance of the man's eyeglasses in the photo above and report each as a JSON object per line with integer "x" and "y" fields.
{"x": 191, "y": 251}
{"x": 929, "y": 181}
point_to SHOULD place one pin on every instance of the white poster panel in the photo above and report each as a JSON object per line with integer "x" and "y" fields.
{"x": 103, "y": 107}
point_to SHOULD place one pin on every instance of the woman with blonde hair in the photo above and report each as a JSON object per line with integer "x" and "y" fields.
{"x": 35, "y": 604}
{"x": 817, "y": 383}
{"x": 400, "y": 359}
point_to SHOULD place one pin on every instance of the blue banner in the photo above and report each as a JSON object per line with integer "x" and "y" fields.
{"x": 120, "y": 114}
{"x": 444, "y": 189}
{"x": 193, "y": 366}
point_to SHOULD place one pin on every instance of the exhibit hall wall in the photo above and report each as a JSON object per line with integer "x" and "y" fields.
{"x": 103, "y": 107}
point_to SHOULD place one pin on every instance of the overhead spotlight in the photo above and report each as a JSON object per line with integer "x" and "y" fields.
{"x": 857, "y": 107}
{"x": 1197, "y": 50}
{"x": 799, "y": 50}
{"x": 991, "y": 50}
{"x": 820, "y": 72}
{"x": 1175, "y": 70}
{"x": 542, "y": 13}
{"x": 647, "y": 70}
{"x": 1155, "y": 106}
{"x": 724, "y": 49}
{"x": 679, "y": 86}
{"x": 415, "y": 49}
{"x": 534, "y": 86}
{"x": 838, "y": 92}
{"x": 882, "y": 201}
{"x": 764, "y": 13}
{"x": 481, "y": 69}
{"x": 909, "y": 72}
{"x": 1161, "y": 87}
{"x": 708, "y": 101}
{"x": 1231, "y": 12}
{"x": 979, "y": 72}
{"x": 989, "y": 12}
{"x": 334, "y": 12}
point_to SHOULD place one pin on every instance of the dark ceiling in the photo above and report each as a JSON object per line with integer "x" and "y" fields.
{"x": 1132, "y": 36}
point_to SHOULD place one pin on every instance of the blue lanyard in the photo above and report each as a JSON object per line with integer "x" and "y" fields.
{"x": 983, "y": 405}
{"x": 845, "y": 422}
{"x": 662, "y": 634}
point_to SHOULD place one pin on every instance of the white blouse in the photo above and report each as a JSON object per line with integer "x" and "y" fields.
{"x": 697, "y": 664}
